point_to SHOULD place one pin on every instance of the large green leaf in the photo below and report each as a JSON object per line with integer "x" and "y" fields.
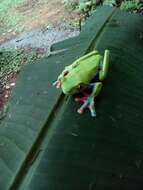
{"x": 104, "y": 152}
{"x": 45, "y": 144}
{"x": 34, "y": 108}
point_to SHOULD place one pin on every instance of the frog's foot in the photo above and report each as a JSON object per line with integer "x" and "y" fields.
{"x": 57, "y": 83}
{"x": 92, "y": 109}
{"x": 88, "y": 102}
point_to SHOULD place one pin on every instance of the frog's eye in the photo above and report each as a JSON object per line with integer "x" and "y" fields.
{"x": 66, "y": 72}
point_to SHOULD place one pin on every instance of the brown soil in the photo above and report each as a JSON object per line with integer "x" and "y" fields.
{"x": 52, "y": 12}
{"x": 40, "y": 13}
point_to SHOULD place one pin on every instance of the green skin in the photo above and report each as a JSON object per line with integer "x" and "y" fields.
{"x": 78, "y": 75}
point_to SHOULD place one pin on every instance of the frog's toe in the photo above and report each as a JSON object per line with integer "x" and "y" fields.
{"x": 76, "y": 99}
{"x": 93, "y": 113}
{"x": 57, "y": 84}
{"x": 80, "y": 111}
{"x": 92, "y": 110}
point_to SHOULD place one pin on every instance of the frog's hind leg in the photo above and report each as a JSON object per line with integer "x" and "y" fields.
{"x": 88, "y": 99}
{"x": 96, "y": 88}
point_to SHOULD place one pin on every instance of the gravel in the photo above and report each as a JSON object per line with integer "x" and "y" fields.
{"x": 40, "y": 38}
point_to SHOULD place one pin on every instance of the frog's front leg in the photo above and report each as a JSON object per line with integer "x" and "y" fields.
{"x": 88, "y": 100}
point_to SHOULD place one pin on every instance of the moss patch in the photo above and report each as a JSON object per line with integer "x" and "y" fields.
{"x": 10, "y": 20}
{"x": 11, "y": 62}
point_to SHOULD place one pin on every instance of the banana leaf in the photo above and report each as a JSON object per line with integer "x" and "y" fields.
{"x": 45, "y": 144}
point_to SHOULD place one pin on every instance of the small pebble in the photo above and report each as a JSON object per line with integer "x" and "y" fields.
{"x": 74, "y": 134}
{"x": 12, "y": 84}
{"x": 6, "y": 96}
{"x": 9, "y": 30}
{"x": 7, "y": 87}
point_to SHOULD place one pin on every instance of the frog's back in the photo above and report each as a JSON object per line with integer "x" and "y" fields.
{"x": 87, "y": 69}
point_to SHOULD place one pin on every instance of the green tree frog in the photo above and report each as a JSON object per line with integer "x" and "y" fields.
{"x": 85, "y": 77}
